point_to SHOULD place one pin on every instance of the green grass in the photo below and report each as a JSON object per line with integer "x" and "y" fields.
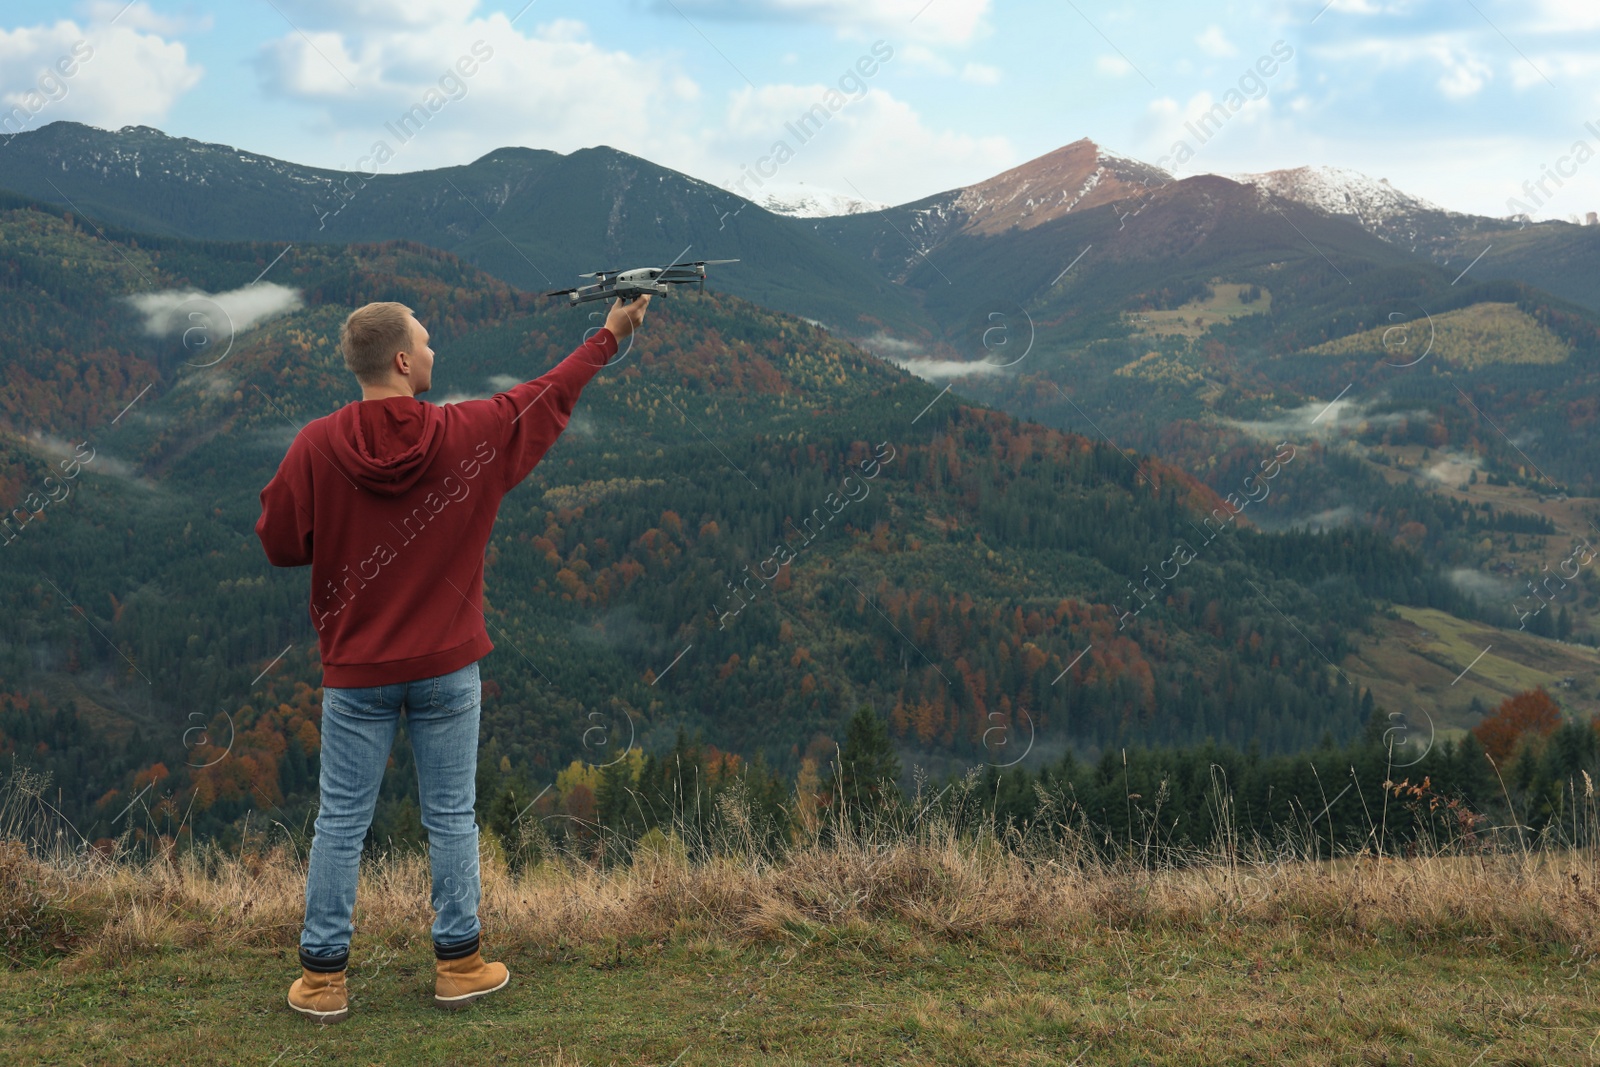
{"x": 1469, "y": 336}
{"x": 1416, "y": 663}
{"x": 859, "y": 993}
{"x": 1197, "y": 316}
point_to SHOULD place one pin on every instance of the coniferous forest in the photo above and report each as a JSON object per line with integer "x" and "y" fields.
{"x": 750, "y": 530}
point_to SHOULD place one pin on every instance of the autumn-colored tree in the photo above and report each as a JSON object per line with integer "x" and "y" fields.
{"x": 580, "y": 805}
{"x": 153, "y": 773}
{"x": 1531, "y": 711}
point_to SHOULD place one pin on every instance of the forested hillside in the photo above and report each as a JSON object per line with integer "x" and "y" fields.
{"x": 1198, "y": 319}
{"x": 991, "y": 586}
{"x": 530, "y": 217}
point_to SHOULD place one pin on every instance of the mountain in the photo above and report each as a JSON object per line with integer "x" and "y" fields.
{"x": 980, "y": 575}
{"x": 1071, "y": 181}
{"x": 809, "y": 202}
{"x": 1204, "y": 319}
{"x": 1560, "y": 257}
{"x": 1016, "y": 239}
{"x": 1194, "y": 319}
{"x": 1078, "y": 176}
{"x": 1079, "y": 280}
{"x": 1374, "y": 204}
{"x": 1075, "y": 177}
{"x": 536, "y": 219}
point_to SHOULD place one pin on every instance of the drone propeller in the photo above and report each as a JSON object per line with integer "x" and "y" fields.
{"x": 696, "y": 263}
{"x": 686, "y": 273}
{"x": 703, "y": 263}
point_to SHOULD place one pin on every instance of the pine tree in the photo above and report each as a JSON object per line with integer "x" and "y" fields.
{"x": 613, "y": 795}
{"x": 865, "y": 777}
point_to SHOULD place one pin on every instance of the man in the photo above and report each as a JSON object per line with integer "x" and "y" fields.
{"x": 391, "y": 501}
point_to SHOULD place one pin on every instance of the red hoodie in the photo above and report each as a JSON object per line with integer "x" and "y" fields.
{"x": 391, "y": 503}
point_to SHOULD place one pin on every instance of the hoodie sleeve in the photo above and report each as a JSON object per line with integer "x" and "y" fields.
{"x": 285, "y": 524}
{"x": 532, "y": 415}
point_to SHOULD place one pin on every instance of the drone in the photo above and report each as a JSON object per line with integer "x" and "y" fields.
{"x": 628, "y": 284}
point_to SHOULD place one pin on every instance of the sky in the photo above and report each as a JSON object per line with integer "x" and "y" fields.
{"x": 1462, "y": 102}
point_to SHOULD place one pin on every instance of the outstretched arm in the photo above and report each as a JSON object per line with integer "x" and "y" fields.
{"x": 537, "y": 412}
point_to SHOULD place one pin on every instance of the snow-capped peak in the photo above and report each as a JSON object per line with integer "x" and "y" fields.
{"x": 1339, "y": 191}
{"x": 813, "y": 202}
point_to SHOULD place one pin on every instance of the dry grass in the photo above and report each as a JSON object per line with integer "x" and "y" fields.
{"x": 1469, "y": 337}
{"x": 942, "y": 874}
{"x": 931, "y": 940}
{"x": 103, "y": 911}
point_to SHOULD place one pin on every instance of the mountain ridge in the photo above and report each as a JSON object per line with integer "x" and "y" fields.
{"x": 493, "y": 210}
{"x": 532, "y": 217}
{"x": 1002, "y": 548}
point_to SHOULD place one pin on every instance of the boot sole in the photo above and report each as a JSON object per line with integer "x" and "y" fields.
{"x": 326, "y": 1018}
{"x": 457, "y": 1003}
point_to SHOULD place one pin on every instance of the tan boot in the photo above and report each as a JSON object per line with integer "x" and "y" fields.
{"x": 321, "y": 995}
{"x": 460, "y": 981}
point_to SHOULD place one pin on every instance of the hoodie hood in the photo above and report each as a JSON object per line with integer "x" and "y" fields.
{"x": 386, "y": 445}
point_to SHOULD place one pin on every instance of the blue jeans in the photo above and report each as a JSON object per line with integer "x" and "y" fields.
{"x": 358, "y": 728}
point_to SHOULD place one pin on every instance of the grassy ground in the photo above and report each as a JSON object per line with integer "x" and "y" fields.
{"x": 939, "y": 949}
{"x": 1468, "y": 337}
{"x": 1197, "y": 316}
{"x": 863, "y": 993}
{"x": 1419, "y": 662}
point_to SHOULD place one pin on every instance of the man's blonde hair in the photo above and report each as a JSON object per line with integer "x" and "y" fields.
{"x": 370, "y": 338}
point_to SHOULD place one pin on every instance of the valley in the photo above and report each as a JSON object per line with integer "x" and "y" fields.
{"x": 1105, "y": 362}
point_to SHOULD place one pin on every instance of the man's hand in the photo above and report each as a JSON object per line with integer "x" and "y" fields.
{"x": 623, "y": 319}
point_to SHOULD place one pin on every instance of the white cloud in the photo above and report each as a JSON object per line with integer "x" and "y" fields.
{"x": 1164, "y": 107}
{"x": 1481, "y": 585}
{"x": 921, "y": 57}
{"x": 139, "y": 16}
{"x": 1213, "y": 42}
{"x": 1363, "y": 7}
{"x": 1327, "y": 421}
{"x": 108, "y": 75}
{"x": 536, "y": 85}
{"x": 876, "y": 146}
{"x": 1453, "y": 467}
{"x": 913, "y": 357}
{"x": 1202, "y": 111}
{"x": 1463, "y": 71}
{"x": 1562, "y": 67}
{"x": 317, "y": 64}
{"x": 1115, "y": 66}
{"x": 172, "y": 312}
{"x": 350, "y": 14}
{"x": 980, "y": 74}
{"x": 946, "y": 21}
{"x": 892, "y": 348}
{"x": 103, "y": 463}
{"x": 1567, "y": 16}
{"x": 942, "y": 369}
{"x": 531, "y": 85}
